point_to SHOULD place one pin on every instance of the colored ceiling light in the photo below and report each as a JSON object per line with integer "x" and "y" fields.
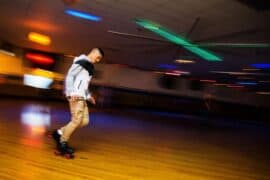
{"x": 39, "y": 38}
{"x": 235, "y": 86}
{"x": 181, "y": 72}
{"x": 220, "y": 84}
{"x": 173, "y": 74}
{"x": 82, "y": 15}
{"x": 250, "y": 69}
{"x": 184, "y": 61}
{"x": 2, "y": 51}
{"x": 39, "y": 59}
{"x": 247, "y": 83}
{"x": 167, "y": 66}
{"x": 158, "y": 29}
{"x": 261, "y": 66}
{"x": 42, "y": 73}
{"x": 263, "y": 93}
{"x": 37, "y": 81}
{"x": 237, "y": 73}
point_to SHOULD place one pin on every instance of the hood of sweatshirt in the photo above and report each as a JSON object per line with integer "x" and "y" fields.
{"x": 81, "y": 57}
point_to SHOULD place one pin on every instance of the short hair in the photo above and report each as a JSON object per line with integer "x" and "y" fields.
{"x": 100, "y": 51}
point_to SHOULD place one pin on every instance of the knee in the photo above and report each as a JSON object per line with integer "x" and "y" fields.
{"x": 85, "y": 122}
{"x": 77, "y": 119}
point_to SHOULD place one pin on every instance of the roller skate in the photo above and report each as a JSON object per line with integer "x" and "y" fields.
{"x": 64, "y": 150}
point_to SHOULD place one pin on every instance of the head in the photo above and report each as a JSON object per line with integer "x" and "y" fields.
{"x": 96, "y": 54}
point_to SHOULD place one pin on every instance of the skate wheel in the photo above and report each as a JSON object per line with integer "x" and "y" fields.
{"x": 48, "y": 134}
{"x": 57, "y": 153}
{"x": 69, "y": 156}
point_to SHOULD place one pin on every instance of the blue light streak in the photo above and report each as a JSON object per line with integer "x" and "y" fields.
{"x": 82, "y": 15}
{"x": 261, "y": 66}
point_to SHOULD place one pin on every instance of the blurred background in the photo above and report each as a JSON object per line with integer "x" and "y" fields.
{"x": 206, "y": 58}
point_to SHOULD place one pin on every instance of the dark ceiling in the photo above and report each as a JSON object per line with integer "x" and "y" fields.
{"x": 208, "y": 21}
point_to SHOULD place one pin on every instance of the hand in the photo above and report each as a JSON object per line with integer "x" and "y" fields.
{"x": 92, "y": 100}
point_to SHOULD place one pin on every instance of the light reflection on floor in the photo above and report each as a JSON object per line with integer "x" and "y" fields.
{"x": 136, "y": 142}
{"x": 36, "y": 117}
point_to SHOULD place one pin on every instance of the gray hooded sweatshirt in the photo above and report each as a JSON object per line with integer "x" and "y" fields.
{"x": 78, "y": 77}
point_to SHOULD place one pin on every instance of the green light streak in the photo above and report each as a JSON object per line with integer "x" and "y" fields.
{"x": 158, "y": 29}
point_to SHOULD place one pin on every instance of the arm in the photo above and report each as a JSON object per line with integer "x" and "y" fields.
{"x": 89, "y": 97}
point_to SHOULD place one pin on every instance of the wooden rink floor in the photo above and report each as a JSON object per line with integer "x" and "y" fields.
{"x": 127, "y": 144}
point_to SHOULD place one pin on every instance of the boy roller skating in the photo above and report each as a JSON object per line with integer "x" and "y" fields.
{"x": 76, "y": 90}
